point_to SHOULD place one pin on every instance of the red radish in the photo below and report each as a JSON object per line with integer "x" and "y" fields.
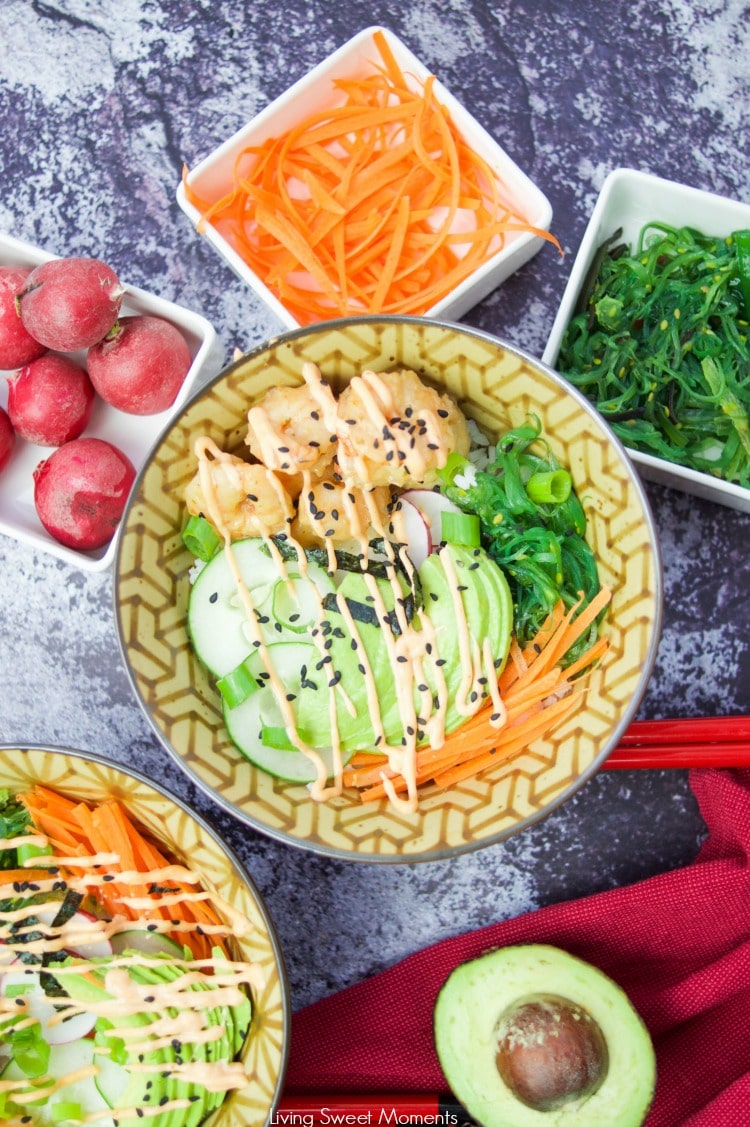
{"x": 83, "y": 933}
{"x": 140, "y": 366}
{"x": 80, "y": 492}
{"x": 431, "y": 504}
{"x": 17, "y": 345}
{"x": 70, "y": 303}
{"x": 50, "y": 400}
{"x": 418, "y": 541}
{"x": 7, "y": 439}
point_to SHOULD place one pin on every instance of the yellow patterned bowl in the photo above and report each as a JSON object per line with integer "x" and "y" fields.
{"x": 498, "y": 386}
{"x": 82, "y": 775}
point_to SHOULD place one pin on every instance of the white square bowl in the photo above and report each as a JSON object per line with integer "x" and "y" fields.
{"x": 212, "y": 177}
{"x": 629, "y": 199}
{"x": 133, "y": 434}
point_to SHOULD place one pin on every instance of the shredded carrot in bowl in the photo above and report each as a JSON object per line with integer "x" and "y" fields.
{"x": 374, "y": 205}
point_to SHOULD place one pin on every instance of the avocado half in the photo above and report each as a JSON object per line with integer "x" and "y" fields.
{"x": 530, "y": 1036}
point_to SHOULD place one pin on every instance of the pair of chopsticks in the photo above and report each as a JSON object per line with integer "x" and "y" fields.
{"x": 718, "y": 741}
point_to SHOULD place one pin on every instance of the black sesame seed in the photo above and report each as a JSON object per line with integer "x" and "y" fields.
{"x": 213, "y": 597}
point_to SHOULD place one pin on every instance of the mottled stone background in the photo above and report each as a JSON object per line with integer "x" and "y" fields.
{"x": 101, "y": 103}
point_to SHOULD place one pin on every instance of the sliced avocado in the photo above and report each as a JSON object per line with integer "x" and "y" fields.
{"x": 530, "y": 1036}
{"x": 488, "y": 608}
{"x": 150, "y": 1089}
{"x": 353, "y": 717}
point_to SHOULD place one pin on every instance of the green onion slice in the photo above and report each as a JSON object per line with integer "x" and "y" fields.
{"x": 551, "y": 487}
{"x": 460, "y": 528}
{"x": 201, "y": 538}
{"x": 30, "y": 1051}
{"x": 28, "y": 851}
{"x": 239, "y": 684}
{"x": 276, "y": 735}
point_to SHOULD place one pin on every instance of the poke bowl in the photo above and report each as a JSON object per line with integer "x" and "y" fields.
{"x": 161, "y": 948}
{"x": 451, "y": 613}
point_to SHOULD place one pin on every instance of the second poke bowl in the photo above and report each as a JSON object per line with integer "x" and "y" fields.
{"x": 388, "y": 589}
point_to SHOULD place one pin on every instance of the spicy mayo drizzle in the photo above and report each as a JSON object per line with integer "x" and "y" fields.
{"x": 410, "y": 649}
{"x": 182, "y": 1010}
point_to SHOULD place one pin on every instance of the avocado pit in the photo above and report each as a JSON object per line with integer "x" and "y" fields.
{"x": 550, "y": 1051}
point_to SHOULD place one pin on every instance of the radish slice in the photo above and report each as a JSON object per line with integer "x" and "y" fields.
{"x": 83, "y": 934}
{"x": 418, "y": 541}
{"x": 431, "y": 505}
{"x": 39, "y": 1006}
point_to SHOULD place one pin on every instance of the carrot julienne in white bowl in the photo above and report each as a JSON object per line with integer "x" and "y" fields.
{"x": 366, "y": 188}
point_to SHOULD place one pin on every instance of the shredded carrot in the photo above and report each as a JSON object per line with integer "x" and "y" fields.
{"x": 537, "y": 693}
{"x": 75, "y": 829}
{"x": 374, "y": 205}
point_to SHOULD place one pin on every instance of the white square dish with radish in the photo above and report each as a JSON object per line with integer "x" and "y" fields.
{"x": 39, "y": 384}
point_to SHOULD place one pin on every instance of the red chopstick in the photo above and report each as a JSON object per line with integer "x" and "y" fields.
{"x": 711, "y": 741}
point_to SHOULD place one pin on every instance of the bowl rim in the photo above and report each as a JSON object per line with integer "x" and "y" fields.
{"x": 235, "y": 862}
{"x": 647, "y": 664}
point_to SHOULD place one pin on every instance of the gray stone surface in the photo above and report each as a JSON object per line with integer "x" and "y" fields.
{"x": 101, "y": 104}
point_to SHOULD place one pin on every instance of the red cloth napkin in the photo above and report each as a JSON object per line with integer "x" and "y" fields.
{"x": 677, "y": 943}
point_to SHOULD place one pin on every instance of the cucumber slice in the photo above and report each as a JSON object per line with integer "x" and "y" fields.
{"x": 294, "y": 663}
{"x": 64, "y": 1061}
{"x": 217, "y": 618}
{"x": 111, "y": 1080}
{"x": 145, "y": 942}
{"x": 245, "y": 726}
{"x": 295, "y": 604}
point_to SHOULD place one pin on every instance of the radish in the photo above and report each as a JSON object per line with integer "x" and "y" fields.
{"x": 418, "y": 541}
{"x": 50, "y": 400}
{"x": 431, "y": 504}
{"x": 17, "y": 345}
{"x": 83, "y": 934}
{"x": 140, "y": 366}
{"x": 70, "y": 303}
{"x": 7, "y": 439}
{"x": 80, "y": 492}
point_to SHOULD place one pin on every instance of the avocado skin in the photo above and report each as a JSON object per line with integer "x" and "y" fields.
{"x": 475, "y": 996}
{"x": 164, "y": 1085}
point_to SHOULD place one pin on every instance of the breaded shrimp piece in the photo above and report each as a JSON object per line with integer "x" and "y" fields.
{"x": 289, "y": 430}
{"x": 244, "y": 499}
{"x": 394, "y": 429}
{"x": 332, "y": 511}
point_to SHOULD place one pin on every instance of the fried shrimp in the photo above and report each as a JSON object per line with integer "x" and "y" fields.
{"x": 332, "y": 511}
{"x": 394, "y": 429}
{"x": 288, "y": 429}
{"x": 238, "y": 498}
